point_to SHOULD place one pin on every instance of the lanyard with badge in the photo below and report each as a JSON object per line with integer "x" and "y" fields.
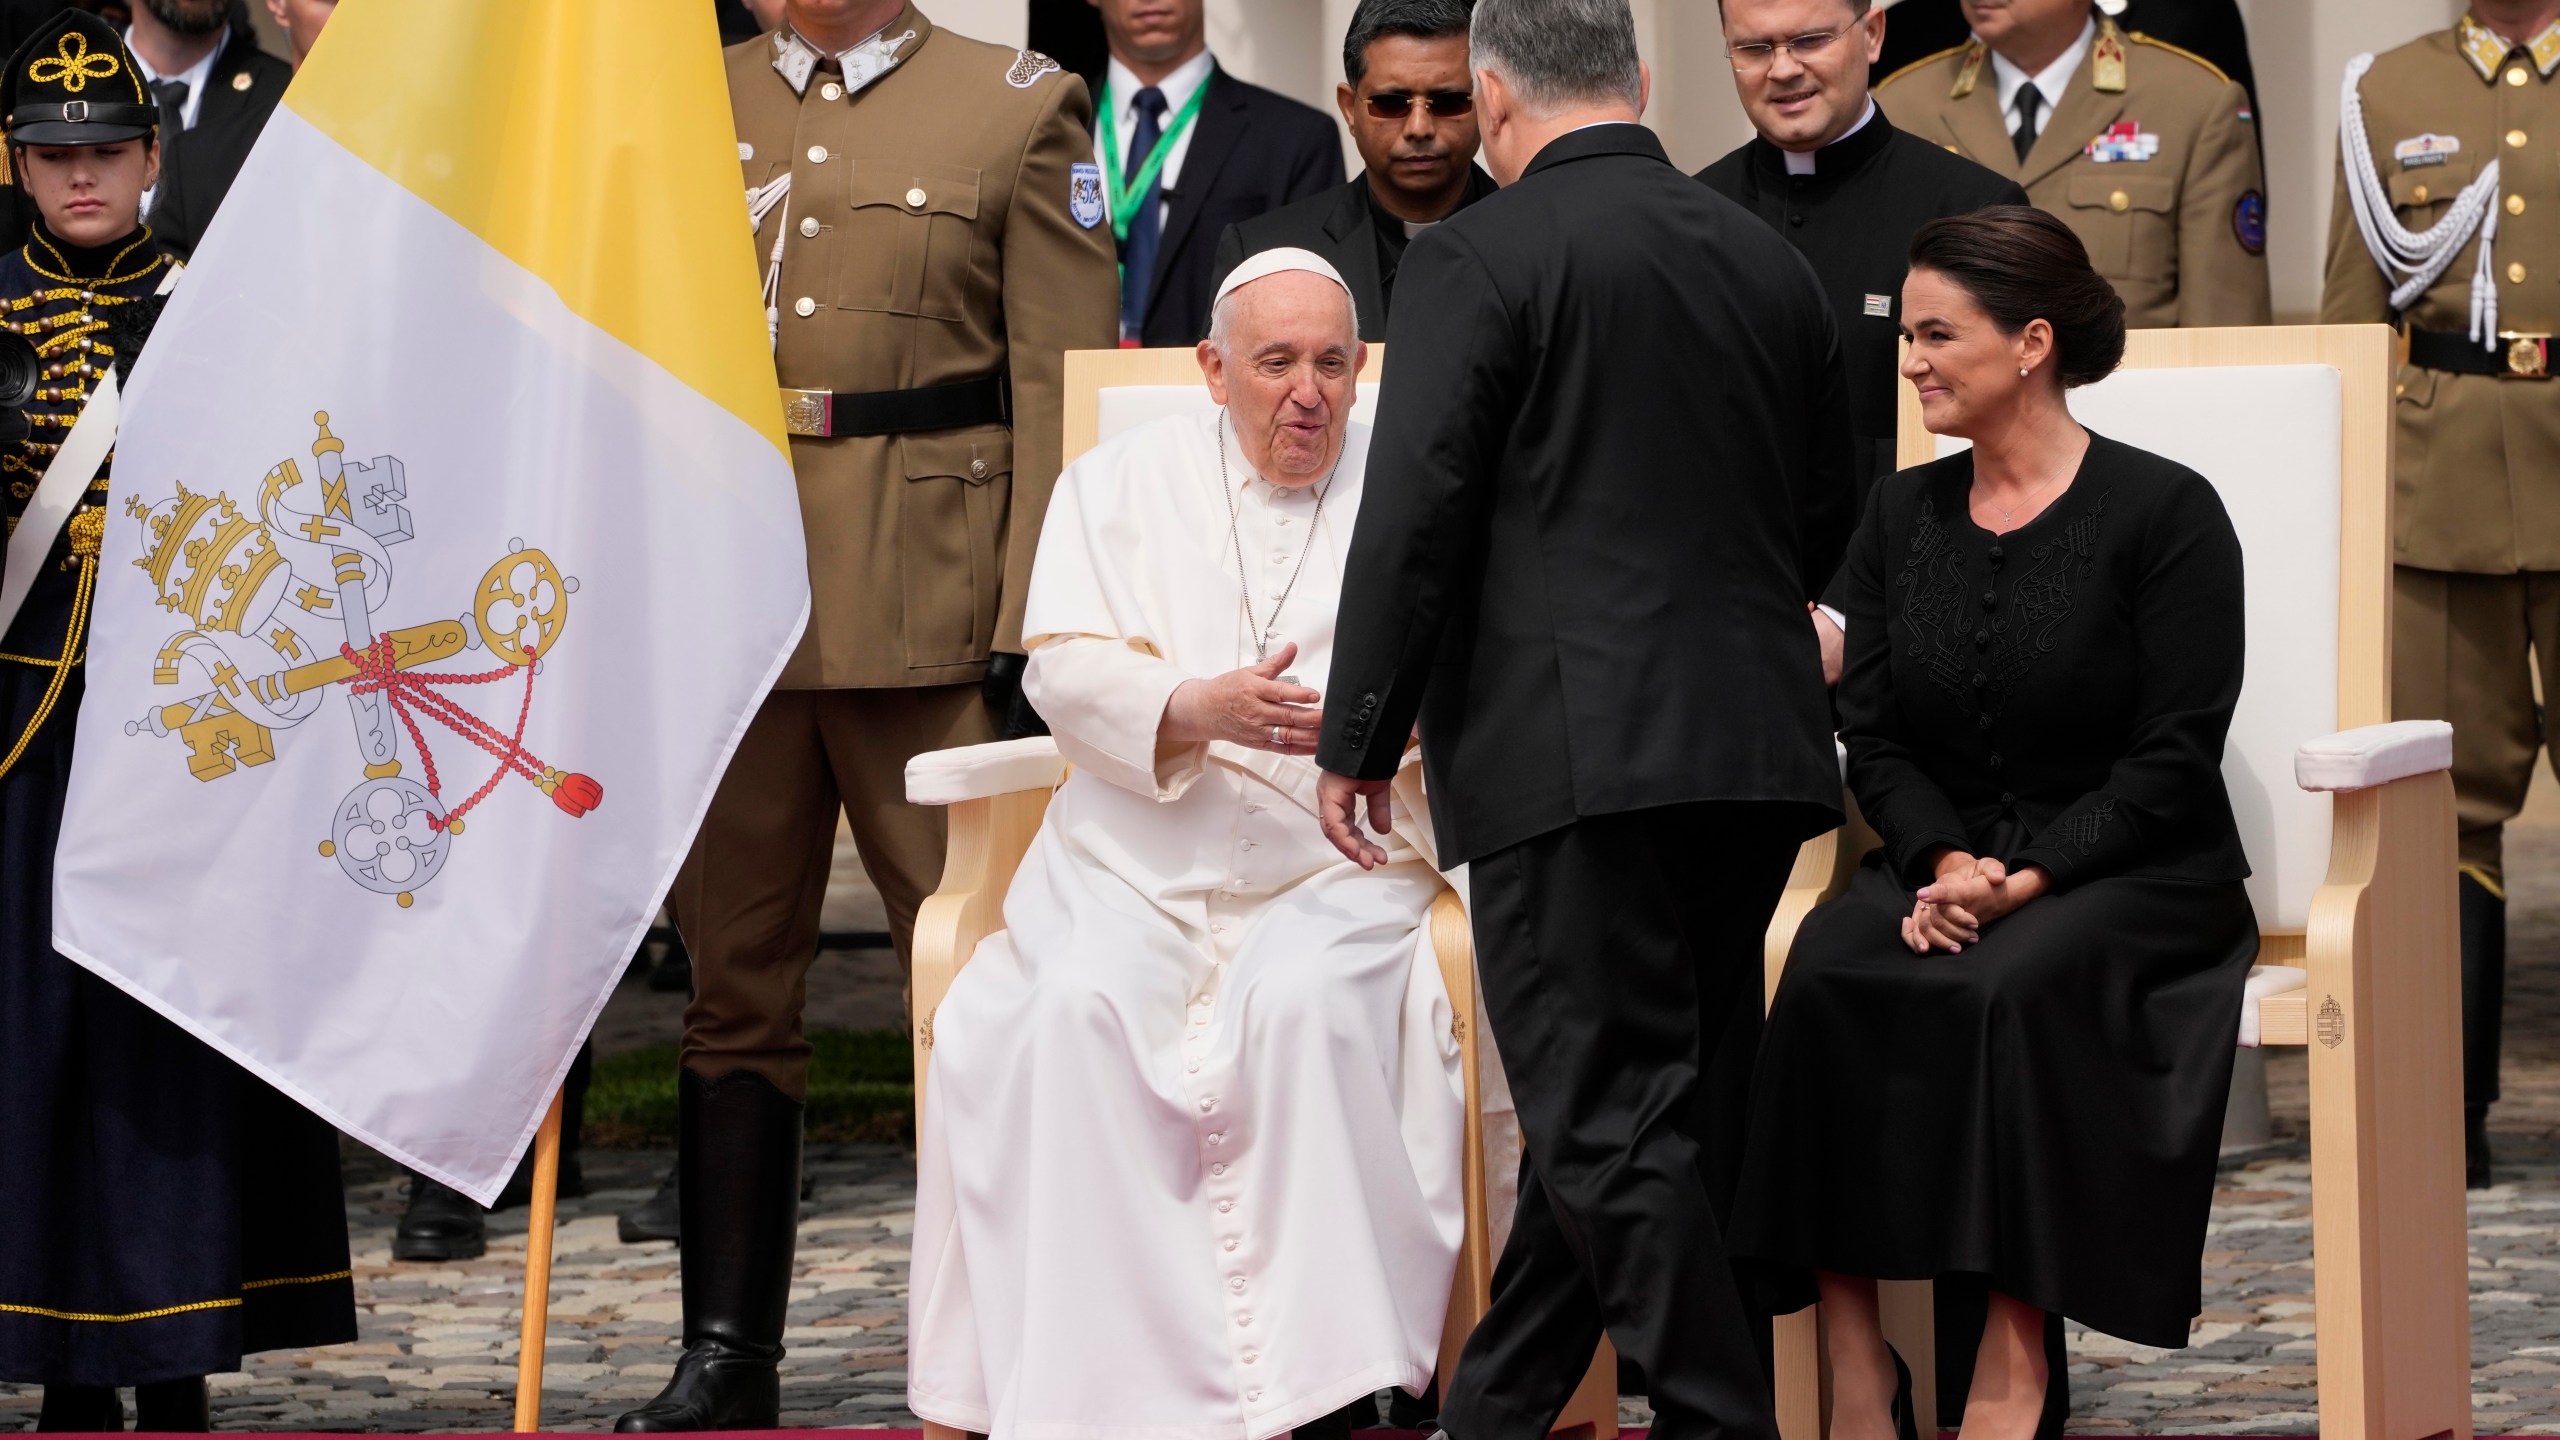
{"x": 1124, "y": 201}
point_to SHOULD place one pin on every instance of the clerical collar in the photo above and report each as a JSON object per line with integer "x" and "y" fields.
{"x": 795, "y": 59}
{"x": 1800, "y": 162}
{"x": 2052, "y": 80}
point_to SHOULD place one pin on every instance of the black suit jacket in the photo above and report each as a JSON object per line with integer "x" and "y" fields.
{"x": 1340, "y": 225}
{"x": 1252, "y": 151}
{"x": 1612, "y": 464}
{"x": 201, "y": 163}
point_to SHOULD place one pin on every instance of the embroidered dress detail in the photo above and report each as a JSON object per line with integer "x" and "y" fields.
{"x": 1933, "y": 587}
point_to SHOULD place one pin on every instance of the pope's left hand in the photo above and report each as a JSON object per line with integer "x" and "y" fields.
{"x": 1338, "y": 802}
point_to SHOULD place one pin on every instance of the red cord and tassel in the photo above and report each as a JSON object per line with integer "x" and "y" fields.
{"x": 377, "y": 672}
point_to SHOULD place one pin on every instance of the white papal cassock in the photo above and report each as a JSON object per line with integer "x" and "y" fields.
{"x": 1190, "y": 1161}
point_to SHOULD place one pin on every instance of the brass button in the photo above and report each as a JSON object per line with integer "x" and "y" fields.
{"x": 2419, "y": 194}
{"x": 2515, "y": 139}
{"x": 809, "y": 225}
{"x": 2119, "y": 202}
{"x": 804, "y": 307}
{"x": 978, "y": 469}
{"x": 2515, "y": 272}
{"x": 831, "y": 91}
{"x": 2516, "y": 76}
{"x": 915, "y": 199}
{"x": 817, "y": 154}
{"x": 2399, "y": 390}
{"x": 2515, "y": 204}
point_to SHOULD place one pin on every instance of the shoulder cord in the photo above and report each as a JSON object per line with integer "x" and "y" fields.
{"x": 2410, "y": 259}
{"x": 761, "y": 202}
{"x": 71, "y": 658}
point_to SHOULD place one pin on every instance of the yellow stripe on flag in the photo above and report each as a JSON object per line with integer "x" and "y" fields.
{"x": 589, "y": 141}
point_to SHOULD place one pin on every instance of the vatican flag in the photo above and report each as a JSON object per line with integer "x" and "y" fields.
{"x": 453, "y": 542}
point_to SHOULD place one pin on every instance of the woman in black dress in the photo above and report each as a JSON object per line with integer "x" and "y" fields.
{"x": 2001, "y": 1057}
{"x": 162, "y": 1211}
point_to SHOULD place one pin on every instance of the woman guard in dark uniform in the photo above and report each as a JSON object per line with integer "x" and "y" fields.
{"x": 162, "y": 1212}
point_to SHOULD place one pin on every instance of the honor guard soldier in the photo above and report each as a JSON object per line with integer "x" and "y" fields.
{"x": 2147, "y": 151}
{"x": 2444, "y": 225}
{"x": 162, "y": 1211}
{"x": 930, "y": 218}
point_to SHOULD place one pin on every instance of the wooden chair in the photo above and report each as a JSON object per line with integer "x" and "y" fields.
{"x": 997, "y": 794}
{"x": 2355, "y": 864}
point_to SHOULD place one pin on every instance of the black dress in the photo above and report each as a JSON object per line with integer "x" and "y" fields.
{"x": 162, "y": 1212}
{"x": 2041, "y": 1110}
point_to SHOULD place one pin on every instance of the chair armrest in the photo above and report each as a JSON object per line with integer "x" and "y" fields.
{"x": 2371, "y": 755}
{"x": 982, "y": 772}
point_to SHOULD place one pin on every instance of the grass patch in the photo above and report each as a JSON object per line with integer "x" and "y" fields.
{"x": 861, "y": 1087}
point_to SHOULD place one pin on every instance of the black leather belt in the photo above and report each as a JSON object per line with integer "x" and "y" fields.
{"x": 987, "y": 400}
{"x": 2516, "y": 356}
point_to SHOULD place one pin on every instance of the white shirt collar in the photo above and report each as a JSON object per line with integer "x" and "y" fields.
{"x": 1800, "y": 162}
{"x": 2051, "y": 81}
{"x": 795, "y": 59}
{"x": 195, "y": 77}
{"x": 1177, "y": 87}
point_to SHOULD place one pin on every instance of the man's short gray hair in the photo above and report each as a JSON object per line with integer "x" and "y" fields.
{"x": 1222, "y": 338}
{"x": 1556, "y": 54}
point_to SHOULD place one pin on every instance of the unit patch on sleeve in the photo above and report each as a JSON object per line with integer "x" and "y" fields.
{"x": 1029, "y": 65}
{"x": 1084, "y": 193}
{"x": 2249, "y": 223}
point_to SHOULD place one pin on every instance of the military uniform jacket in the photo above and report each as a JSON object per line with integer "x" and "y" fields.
{"x": 2477, "y": 464}
{"x": 2151, "y": 157}
{"x": 932, "y": 234}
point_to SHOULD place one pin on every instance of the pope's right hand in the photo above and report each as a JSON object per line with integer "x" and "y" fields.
{"x": 1252, "y": 707}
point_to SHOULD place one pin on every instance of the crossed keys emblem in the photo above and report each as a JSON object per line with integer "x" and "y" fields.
{"x": 315, "y": 556}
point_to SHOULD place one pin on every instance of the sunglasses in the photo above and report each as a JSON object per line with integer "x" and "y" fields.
{"x": 1396, "y": 104}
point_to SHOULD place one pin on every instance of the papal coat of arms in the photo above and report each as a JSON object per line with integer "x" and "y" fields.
{"x": 258, "y": 591}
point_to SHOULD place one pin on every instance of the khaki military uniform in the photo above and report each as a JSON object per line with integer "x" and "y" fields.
{"x": 942, "y": 227}
{"x": 2151, "y": 156}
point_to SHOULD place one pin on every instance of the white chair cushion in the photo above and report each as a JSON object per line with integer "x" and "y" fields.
{"x": 2371, "y": 755}
{"x": 2265, "y": 980}
{"x": 981, "y": 772}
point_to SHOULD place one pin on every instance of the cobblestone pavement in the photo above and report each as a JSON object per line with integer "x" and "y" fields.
{"x": 438, "y": 1344}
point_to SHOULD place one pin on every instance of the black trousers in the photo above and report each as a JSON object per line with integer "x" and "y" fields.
{"x": 1621, "y": 959}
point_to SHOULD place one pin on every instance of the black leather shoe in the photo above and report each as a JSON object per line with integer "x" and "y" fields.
{"x": 2484, "y": 1004}
{"x": 657, "y": 1218}
{"x": 173, "y": 1407}
{"x": 86, "y": 1409}
{"x": 738, "y": 1204}
{"x": 1360, "y": 1414}
{"x": 441, "y": 1223}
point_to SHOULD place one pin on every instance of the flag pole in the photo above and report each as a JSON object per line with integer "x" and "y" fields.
{"x": 537, "y": 1270}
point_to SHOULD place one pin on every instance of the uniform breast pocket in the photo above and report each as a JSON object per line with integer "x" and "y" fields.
{"x": 2129, "y": 221}
{"x": 911, "y": 241}
{"x": 2419, "y": 196}
{"x": 951, "y": 541}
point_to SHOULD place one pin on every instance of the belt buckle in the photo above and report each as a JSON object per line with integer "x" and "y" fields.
{"x": 2528, "y": 356}
{"x": 807, "y": 412}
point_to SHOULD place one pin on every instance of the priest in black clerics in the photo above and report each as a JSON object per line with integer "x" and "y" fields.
{"x": 1831, "y": 174}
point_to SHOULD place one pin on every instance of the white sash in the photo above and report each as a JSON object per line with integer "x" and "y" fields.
{"x": 65, "y": 481}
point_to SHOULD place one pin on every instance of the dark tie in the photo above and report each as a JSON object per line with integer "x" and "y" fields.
{"x": 172, "y": 97}
{"x": 1138, "y": 256}
{"x": 2030, "y": 100}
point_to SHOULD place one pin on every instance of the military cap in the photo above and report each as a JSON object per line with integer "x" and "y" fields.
{"x": 73, "y": 83}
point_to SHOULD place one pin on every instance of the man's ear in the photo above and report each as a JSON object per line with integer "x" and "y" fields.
{"x": 1644, "y": 86}
{"x": 1346, "y": 100}
{"x": 1213, "y": 368}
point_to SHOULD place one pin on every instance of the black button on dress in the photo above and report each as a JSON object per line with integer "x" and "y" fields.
{"x": 2042, "y": 1109}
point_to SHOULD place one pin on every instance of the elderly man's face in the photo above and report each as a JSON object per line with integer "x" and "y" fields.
{"x": 1287, "y": 373}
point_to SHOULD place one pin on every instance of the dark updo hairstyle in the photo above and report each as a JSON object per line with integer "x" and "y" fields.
{"x": 2021, "y": 264}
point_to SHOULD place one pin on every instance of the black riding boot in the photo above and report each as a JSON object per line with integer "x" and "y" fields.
{"x": 173, "y": 1407}
{"x": 441, "y": 1223}
{"x": 80, "y": 1409}
{"x": 738, "y": 1186}
{"x": 2484, "y": 1004}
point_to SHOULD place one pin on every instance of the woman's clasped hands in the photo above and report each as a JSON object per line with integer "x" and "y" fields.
{"x": 1970, "y": 892}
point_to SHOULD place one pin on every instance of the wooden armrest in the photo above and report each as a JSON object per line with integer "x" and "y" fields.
{"x": 988, "y": 837}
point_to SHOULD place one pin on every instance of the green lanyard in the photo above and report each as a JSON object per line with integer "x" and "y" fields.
{"x": 1124, "y": 203}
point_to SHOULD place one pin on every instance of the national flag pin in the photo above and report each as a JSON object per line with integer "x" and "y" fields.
{"x": 1880, "y": 305}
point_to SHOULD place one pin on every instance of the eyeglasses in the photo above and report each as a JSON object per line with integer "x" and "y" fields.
{"x": 1755, "y": 56}
{"x": 1395, "y": 104}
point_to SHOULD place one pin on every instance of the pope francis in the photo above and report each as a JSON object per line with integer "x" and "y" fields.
{"x": 1190, "y": 1166}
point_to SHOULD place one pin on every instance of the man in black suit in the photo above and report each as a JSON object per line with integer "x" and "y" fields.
{"x": 1612, "y": 465}
{"x": 1188, "y": 150}
{"x": 1410, "y": 103}
{"x": 216, "y": 89}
